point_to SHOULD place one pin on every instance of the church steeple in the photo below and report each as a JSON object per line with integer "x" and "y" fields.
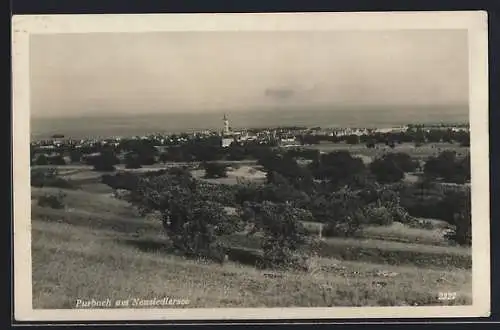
{"x": 226, "y": 124}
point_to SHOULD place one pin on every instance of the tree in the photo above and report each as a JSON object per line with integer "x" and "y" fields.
{"x": 352, "y": 139}
{"x": 403, "y": 161}
{"x": 236, "y": 152}
{"x": 215, "y": 170}
{"x": 132, "y": 161}
{"x": 42, "y": 160}
{"x": 448, "y": 136}
{"x": 419, "y": 137}
{"x": 286, "y": 166}
{"x": 75, "y": 155}
{"x": 435, "y": 135}
{"x": 339, "y": 167}
{"x": 448, "y": 167}
{"x": 164, "y": 157}
{"x": 391, "y": 167}
{"x": 458, "y": 205}
{"x": 463, "y": 138}
{"x": 386, "y": 170}
{"x": 104, "y": 162}
{"x": 370, "y": 144}
{"x": 463, "y": 170}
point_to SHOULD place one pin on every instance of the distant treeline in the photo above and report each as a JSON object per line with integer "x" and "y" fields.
{"x": 418, "y": 136}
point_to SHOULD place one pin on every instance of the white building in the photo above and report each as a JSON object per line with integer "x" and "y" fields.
{"x": 289, "y": 142}
{"x": 226, "y": 142}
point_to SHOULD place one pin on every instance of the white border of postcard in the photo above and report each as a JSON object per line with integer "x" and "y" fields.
{"x": 473, "y": 21}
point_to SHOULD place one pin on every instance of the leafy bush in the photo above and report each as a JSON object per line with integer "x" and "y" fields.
{"x": 193, "y": 224}
{"x": 347, "y": 226}
{"x": 380, "y": 215}
{"x": 284, "y": 235}
{"x": 55, "y": 201}
{"x": 341, "y": 212}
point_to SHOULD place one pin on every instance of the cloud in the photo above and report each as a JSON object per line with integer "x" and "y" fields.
{"x": 280, "y": 93}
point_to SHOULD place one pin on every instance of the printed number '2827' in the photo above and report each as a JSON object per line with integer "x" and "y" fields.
{"x": 447, "y": 295}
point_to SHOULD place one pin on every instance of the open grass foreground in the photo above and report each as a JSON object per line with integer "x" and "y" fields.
{"x": 98, "y": 248}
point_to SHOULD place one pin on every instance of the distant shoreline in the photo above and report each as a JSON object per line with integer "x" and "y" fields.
{"x": 174, "y": 123}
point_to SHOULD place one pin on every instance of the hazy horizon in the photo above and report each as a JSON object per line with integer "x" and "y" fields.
{"x": 133, "y": 74}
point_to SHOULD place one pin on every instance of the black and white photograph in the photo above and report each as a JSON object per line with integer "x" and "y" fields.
{"x": 251, "y": 166}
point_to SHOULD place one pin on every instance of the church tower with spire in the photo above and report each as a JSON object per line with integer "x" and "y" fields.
{"x": 226, "y": 125}
{"x": 227, "y": 136}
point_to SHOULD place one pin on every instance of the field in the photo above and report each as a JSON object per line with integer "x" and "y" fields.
{"x": 98, "y": 247}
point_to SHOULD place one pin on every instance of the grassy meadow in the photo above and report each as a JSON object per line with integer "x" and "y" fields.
{"x": 98, "y": 247}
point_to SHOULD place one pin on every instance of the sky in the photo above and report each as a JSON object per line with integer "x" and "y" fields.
{"x": 171, "y": 72}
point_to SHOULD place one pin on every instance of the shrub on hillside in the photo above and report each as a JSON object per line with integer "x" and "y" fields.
{"x": 347, "y": 226}
{"x": 379, "y": 215}
{"x": 219, "y": 193}
{"x": 55, "y": 201}
{"x": 276, "y": 193}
